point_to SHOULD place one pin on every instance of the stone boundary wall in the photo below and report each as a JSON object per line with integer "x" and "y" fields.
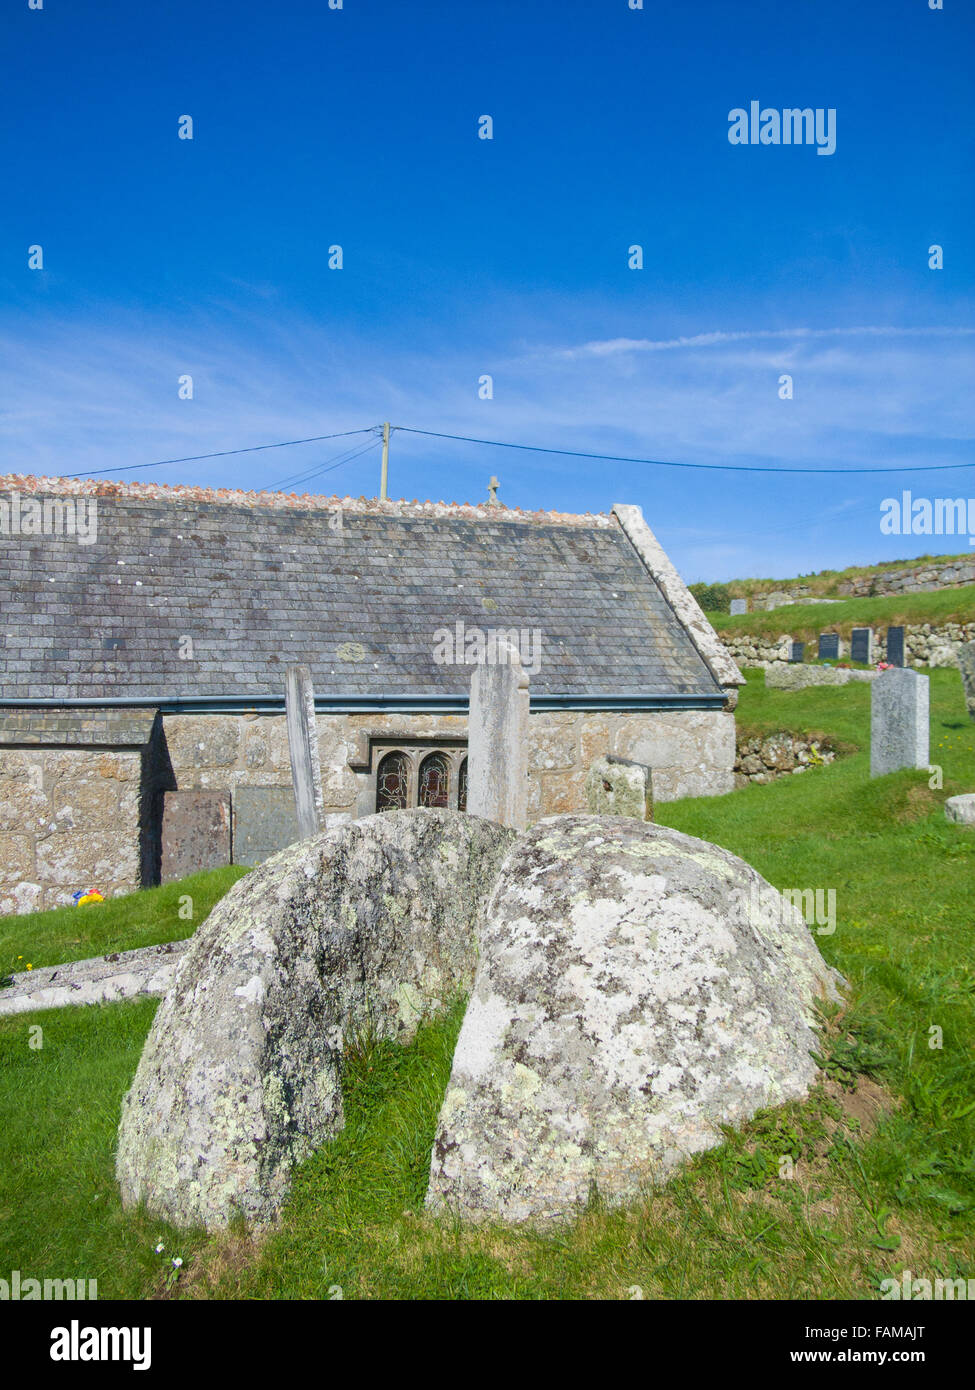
{"x": 920, "y": 579}
{"x": 763, "y": 759}
{"x": 924, "y": 645}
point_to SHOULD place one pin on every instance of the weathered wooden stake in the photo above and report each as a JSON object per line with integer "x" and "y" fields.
{"x": 306, "y": 770}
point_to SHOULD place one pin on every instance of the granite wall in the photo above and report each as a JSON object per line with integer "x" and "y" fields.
{"x": 766, "y": 757}
{"x": 925, "y": 644}
{"x": 69, "y": 819}
{"x": 919, "y": 579}
{"x": 76, "y": 789}
{"x": 691, "y": 752}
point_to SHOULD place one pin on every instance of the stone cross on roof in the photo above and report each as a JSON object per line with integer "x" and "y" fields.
{"x": 493, "y": 486}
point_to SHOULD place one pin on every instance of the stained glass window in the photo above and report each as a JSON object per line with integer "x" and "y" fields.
{"x": 462, "y": 787}
{"x": 393, "y": 783}
{"x": 434, "y": 780}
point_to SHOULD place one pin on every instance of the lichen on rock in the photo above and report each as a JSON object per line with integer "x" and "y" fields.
{"x": 636, "y": 989}
{"x": 370, "y": 926}
{"x": 633, "y": 989}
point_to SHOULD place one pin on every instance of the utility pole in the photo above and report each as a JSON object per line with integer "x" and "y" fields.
{"x": 384, "y": 476}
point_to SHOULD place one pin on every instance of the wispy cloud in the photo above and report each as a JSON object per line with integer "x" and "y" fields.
{"x": 611, "y": 347}
{"x": 102, "y": 394}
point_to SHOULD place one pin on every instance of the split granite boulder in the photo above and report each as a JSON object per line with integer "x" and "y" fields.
{"x": 631, "y": 990}
{"x": 367, "y": 927}
{"x": 636, "y": 988}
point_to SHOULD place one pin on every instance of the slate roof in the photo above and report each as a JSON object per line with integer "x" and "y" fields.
{"x": 257, "y": 584}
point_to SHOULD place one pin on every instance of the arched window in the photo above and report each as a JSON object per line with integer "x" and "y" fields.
{"x": 434, "y": 783}
{"x": 393, "y": 783}
{"x": 462, "y": 787}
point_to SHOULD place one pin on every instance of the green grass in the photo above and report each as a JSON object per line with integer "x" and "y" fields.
{"x": 809, "y": 712}
{"x": 805, "y": 621}
{"x": 146, "y": 918}
{"x": 905, "y": 935}
{"x": 885, "y": 1147}
{"x": 60, "y": 1216}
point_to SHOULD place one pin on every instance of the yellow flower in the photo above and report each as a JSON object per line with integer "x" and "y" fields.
{"x": 29, "y": 966}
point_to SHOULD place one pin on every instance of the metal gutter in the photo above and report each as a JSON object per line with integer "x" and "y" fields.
{"x": 368, "y": 704}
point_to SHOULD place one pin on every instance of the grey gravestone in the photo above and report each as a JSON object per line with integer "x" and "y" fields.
{"x": 265, "y": 820}
{"x": 966, "y": 664}
{"x": 861, "y": 644}
{"x": 899, "y": 721}
{"x": 829, "y": 646}
{"x": 895, "y": 646}
{"x": 618, "y": 787}
{"x": 739, "y": 605}
{"x": 497, "y": 741}
{"x": 798, "y": 651}
{"x": 195, "y": 833}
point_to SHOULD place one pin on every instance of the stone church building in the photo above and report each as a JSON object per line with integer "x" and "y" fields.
{"x": 147, "y": 630}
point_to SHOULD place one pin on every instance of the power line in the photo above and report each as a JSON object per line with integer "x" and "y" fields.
{"x": 670, "y": 463}
{"x": 498, "y": 444}
{"x": 221, "y": 454}
{"x": 327, "y": 467}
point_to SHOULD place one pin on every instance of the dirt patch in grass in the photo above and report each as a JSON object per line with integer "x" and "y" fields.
{"x": 224, "y": 1259}
{"x": 918, "y": 802}
{"x": 867, "y": 1105}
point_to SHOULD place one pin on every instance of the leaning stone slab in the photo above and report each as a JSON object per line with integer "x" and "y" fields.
{"x": 636, "y": 989}
{"x": 618, "y": 787}
{"x": 306, "y": 771}
{"x": 364, "y": 928}
{"x": 899, "y": 721}
{"x": 195, "y": 833}
{"x": 961, "y": 809}
{"x": 98, "y": 980}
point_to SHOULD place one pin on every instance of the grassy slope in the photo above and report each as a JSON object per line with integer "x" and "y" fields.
{"x": 168, "y": 913}
{"x": 805, "y": 621}
{"x": 863, "y": 1206}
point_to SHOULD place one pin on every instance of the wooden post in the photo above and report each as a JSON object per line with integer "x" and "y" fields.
{"x": 306, "y": 771}
{"x": 384, "y": 472}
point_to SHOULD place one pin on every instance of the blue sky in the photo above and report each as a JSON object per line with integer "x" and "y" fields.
{"x": 465, "y": 257}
